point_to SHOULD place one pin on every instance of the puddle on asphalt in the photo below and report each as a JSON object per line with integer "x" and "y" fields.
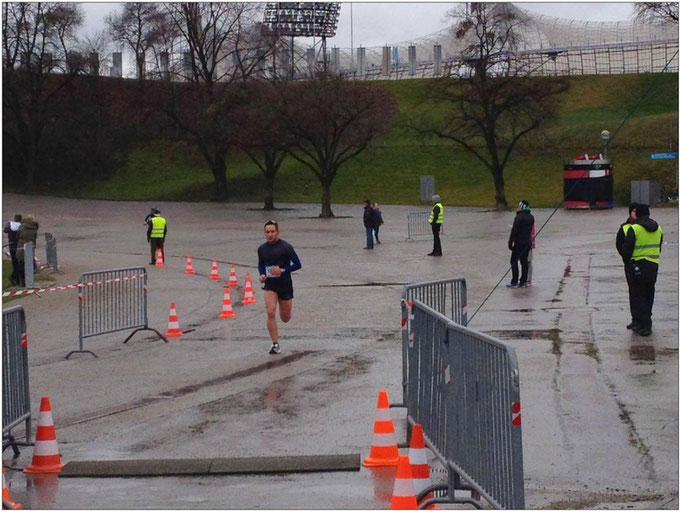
{"x": 383, "y": 481}
{"x": 642, "y": 353}
{"x": 359, "y": 284}
{"x": 530, "y": 334}
{"x": 42, "y": 491}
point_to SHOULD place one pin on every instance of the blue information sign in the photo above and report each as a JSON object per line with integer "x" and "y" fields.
{"x": 662, "y": 156}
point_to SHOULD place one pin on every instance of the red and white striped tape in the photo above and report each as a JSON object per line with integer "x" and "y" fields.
{"x": 70, "y": 286}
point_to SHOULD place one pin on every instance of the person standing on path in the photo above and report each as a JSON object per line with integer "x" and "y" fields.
{"x": 437, "y": 217}
{"x": 276, "y": 260}
{"x": 378, "y": 218}
{"x": 619, "y": 243}
{"x": 369, "y": 223}
{"x": 156, "y": 234}
{"x": 641, "y": 250}
{"x": 12, "y": 230}
{"x": 28, "y": 232}
{"x": 520, "y": 244}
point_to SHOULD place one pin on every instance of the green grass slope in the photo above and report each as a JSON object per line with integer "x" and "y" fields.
{"x": 389, "y": 171}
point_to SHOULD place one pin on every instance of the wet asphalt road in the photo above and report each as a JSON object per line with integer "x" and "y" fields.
{"x": 600, "y": 404}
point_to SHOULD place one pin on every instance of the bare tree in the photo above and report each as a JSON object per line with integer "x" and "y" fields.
{"x": 39, "y": 61}
{"x": 331, "y": 121}
{"x": 497, "y": 104}
{"x": 656, "y": 11}
{"x": 136, "y": 27}
{"x": 224, "y": 51}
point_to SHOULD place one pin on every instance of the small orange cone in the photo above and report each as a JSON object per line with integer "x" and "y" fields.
{"x": 5, "y": 492}
{"x": 248, "y": 298}
{"x": 46, "y": 458}
{"x": 159, "y": 257}
{"x": 404, "y": 496}
{"x": 232, "y": 277}
{"x": 173, "y": 323}
{"x": 214, "y": 270}
{"x": 383, "y": 446}
{"x": 418, "y": 459}
{"x": 189, "y": 269}
{"x": 227, "y": 311}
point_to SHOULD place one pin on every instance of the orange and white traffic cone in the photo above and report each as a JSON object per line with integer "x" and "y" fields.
{"x": 232, "y": 277}
{"x": 189, "y": 269}
{"x": 5, "y": 493}
{"x": 418, "y": 459}
{"x": 404, "y": 497}
{"x": 46, "y": 458}
{"x": 249, "y": 297}
{"x": 159, "y": 257}
{"x": 214, "y": 270}
{"x": 173, "y": 323}
{"x": 227, "y": 311}
{"x": 383, "y": 446}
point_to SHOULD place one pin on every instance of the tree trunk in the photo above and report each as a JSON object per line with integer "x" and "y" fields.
{"x": 30, "y": 166}
{"x": 326, "y": 201}
{"x": 500, "y": 194}
{"x": 269, "y": 192}
{"x": 219, "y": 169}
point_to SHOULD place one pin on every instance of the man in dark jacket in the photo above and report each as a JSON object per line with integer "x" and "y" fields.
{"x": 369, "y": 223}
{"x": 156, "y": 234}
{"x": 619, "y": 243}
{"x": 520, "y": 244}
{"x": 436, "y": 219}
{"x": 641, "y": 252}
{"x": 12, "y": 230}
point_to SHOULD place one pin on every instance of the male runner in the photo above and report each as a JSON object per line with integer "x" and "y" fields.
{"x": 276, "y": 261}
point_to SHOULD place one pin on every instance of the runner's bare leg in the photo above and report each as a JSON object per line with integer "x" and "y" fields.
{"x": 271, "y": 299}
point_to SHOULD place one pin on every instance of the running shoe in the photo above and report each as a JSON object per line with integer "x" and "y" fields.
{"x": 512, "y": 285}
{"x": 275, "y": 348}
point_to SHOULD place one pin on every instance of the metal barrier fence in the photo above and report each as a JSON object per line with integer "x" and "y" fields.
{"x": 51, "y": 252}
{"x": 110, "y": 301}
{"x": 462, "y": 386}
{"x": 16, "y": 399}
{"x": 417, "y": 224}
{"x": 29, "y": 265}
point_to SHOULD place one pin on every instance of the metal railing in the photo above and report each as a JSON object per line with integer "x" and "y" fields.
{"x": 417, "y": 225}
{"x": 110, "y": 301}
{"x": 462, "y": 386}
{"x": 51, "y": 253}
{"x": 16, "y": 399}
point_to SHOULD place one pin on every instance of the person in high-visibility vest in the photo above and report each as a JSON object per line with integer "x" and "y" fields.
{"x": 156, "y": 234}
{"x": 437, "y": 217}
{"x": 641, "y": 250}
{"x": 619, "y": 242}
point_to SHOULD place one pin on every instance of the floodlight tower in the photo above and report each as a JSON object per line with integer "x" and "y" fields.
{"x": 302, "y": 19}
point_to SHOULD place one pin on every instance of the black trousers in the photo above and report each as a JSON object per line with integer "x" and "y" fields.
{"x": 156, "y": 243}
{"x": 643, "y": 290}
{"x": 629, "y": 276}
{"x": 437, "y": 247}
{"x": 14, "y": 278}
{"x": 519, "y": 253}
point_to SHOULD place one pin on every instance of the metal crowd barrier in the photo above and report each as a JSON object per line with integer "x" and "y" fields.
{"x": 417, "y": 224}
{"x": 51, "y": 252}
{"x": 462, "y": 386}
{"x": 16, "y": 399}
{"x": 110, "y": 301}
{"x": 29, "y": 265}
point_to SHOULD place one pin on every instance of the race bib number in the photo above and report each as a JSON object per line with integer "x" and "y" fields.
{"x": 268, "y": 270}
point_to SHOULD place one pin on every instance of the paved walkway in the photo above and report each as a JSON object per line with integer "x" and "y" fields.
{"x": 600, "y": 404}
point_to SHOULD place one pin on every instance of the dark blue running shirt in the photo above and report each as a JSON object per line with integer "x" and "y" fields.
{"x": 280, "y": 254}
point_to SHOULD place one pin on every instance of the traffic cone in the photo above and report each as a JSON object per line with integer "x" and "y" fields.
{"x": 226, "y": 305}
{"x": 384, "y": 446}
{"x": 189, "y": 269}
{"x": 5, "y": 492}
{"x": 404, "y": 496}
{"x": 214, "y": 270}
{"x": 232, "y": 277}
{"x": 418, "y": 459}
{"x": 159, "y": 257}
{"x": 173, "y": 323}
{"x": 248, "y": 297}
{"x": 46, "y": 458}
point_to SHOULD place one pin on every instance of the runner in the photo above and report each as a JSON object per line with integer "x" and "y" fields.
{"x": 276, "y": 261}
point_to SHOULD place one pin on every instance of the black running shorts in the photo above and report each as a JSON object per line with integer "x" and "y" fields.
{"x": 281, "y": 286}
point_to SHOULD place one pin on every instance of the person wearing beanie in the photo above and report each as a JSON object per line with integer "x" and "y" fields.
{"x": 619, "y": 242}
{"x": 156, "y": 234}
{"x": 520, "y": 244}
{"x": 641, "y": 253}
{"x": 437, "y": 217}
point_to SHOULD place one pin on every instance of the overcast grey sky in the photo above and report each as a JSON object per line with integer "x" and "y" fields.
{"x": 378, "y": 23}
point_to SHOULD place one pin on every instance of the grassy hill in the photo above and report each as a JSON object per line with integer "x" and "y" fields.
{"x": 389, "y": 171}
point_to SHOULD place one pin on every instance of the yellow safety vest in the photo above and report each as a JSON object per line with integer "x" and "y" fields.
{"x": 647, "y": 245}
{"x": 440, "y": 218}
{"x": 158, "y": 227}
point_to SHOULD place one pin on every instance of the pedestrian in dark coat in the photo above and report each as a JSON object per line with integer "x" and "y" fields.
{"x": 378, "y": 220}
{"x": 369, "y": 223}
{"x": 619, "y": 243}
{"x": 12, "y": 230}
{"x": 520, "y": 244}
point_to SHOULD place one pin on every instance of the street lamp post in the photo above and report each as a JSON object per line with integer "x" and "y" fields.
{"x": 605, "y": 137}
